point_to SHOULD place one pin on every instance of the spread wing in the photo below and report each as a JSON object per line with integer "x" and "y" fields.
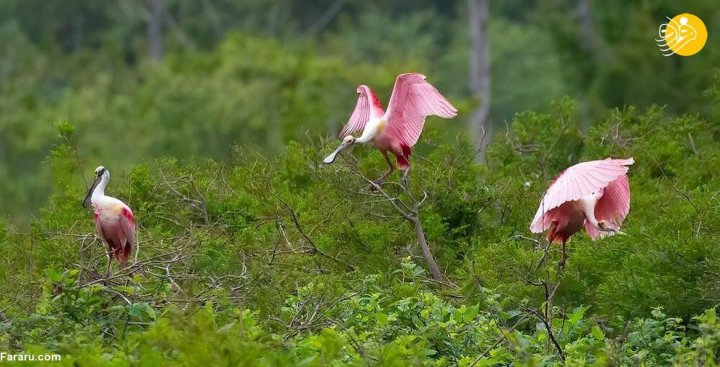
{"x": 575, "y": 182}
{"x": 368, "y": 106}
{"x": 412, "y": 100}
{"x": 613, "y": 207}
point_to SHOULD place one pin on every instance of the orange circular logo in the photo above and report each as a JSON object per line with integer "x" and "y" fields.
{"x": 684, "y": 35}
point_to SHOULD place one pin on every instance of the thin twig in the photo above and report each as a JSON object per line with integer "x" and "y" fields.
{"x": 550, "y": 333}
{"x": 296, "y": 220}
{"x": 500, "y": 339}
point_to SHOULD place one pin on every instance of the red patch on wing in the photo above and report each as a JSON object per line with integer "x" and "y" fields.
{"x": 403, "y": 161}
{"x": 127, "y": 213}
{"x": 406, "y": 150}
{"x": 375, "y": 101}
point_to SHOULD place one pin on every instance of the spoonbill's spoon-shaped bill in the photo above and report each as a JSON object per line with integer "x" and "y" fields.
{"x": 397, "y": 129}
{"x": 594, "y": 195}
{"x": 114, "y": 220}
{"x": 345, "y": 143}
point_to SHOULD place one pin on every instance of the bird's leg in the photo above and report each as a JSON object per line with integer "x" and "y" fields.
{"x": 108, "y": 273}
{"x": 381, "y": 179}
{"x": 561, "y": 264}
{"x": 405, "y": 178}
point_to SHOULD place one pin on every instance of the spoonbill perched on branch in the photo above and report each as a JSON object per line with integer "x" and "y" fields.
{"x": 397, "y": 129}
{"x": 113, "y": 219}
{"x": 594, "y": 195}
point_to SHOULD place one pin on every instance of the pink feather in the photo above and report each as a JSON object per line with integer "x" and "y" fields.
{"x": 581, "y": 180}
{"x": 117, "y": 231}
{"x": 613, "y": 207}
{"x": 397, "y": 129}
{"x": 412, "y": 100}
{"x": 368, "y": 106}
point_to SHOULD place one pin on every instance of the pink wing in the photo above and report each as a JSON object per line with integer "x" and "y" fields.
{"x": 368, "y": 106}
{"x": 127, "y": 223}
{"x": 412, "y": 100}
{"x": 613, "y": 207}
{"x": 575, "y": 182}
{"x": 98, "y": 226}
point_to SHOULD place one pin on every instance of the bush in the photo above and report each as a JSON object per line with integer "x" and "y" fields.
{"x": 285, "y": 261}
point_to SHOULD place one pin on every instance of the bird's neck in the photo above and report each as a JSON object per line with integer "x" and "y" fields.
{"x": 587, "y": 204}
{"x": 364, "y": 139}
{"x": 100, "y": 188}
{"x": 373, "y": 128}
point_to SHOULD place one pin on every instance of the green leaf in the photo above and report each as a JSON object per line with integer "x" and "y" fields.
{"x": 470, "y": 313}
{"x": 141, "y": 311}
{"x": 381, "y": 318}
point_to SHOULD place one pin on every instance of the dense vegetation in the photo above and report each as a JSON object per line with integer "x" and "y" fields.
{"x": 254, "y": 72}
{"x": 252, "y": 252}
{"x": 268, "y": 261}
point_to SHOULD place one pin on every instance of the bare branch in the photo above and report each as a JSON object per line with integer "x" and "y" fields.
{"x": 296, "y": 220}
{"x": 540, "y": 317}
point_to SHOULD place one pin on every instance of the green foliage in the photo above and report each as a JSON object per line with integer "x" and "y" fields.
{"x": 251, "y": 252}
{"x": 392, "y": 319}
{"x": 263, "y": 73}
{"x": 284, "y": 261}
{"x": 665, "y": 259}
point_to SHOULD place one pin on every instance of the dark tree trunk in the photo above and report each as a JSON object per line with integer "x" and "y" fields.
{"x": 588, "y": 43}
{"x": 154, "y": 11}
{"x": 587, "y": 28}
{"x": 479, "y": 11}
{"x": 427, "y": 254}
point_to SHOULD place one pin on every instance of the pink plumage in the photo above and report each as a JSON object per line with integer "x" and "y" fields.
{"x": 114, "y": 220}
{"x": 613, "y": 207}
{"x": 594, "y": 195}
{"x": 368, "y": 106}
{"x": 397, "y": 129}
{"x": 412, "y": 100}
{"x": 115, "y": 224}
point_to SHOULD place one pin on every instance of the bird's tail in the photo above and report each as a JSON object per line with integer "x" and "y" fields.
{"x": 403, "y": 161}
{"x": 553, "y": 236}
{"x": 122, "y": 254}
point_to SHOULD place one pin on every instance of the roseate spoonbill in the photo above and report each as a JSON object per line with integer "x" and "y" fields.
{"x": 113, "y": 219}
{"x": 397, "y": 129}
{"x": 594, "y": 195}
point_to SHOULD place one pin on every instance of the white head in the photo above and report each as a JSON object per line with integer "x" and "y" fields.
{"x": 348, "y": 141}
{"x": 606, "y": 226}
{"x": 102, "y": 176}
{"x": 610, "y": 227}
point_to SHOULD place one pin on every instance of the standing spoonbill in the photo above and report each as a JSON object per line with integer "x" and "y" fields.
{"x": 398, "y": 129}
{"x": 594, "y": 195}
{"x": 113, "y": 219}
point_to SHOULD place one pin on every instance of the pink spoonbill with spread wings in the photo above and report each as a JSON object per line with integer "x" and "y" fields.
{"x": 113, "y": 219}
{"x": 594, "y": 195}
{"x": 397, "y": 129}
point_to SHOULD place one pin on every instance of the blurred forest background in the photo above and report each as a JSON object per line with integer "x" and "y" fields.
{"x": 214, "y": 115}
{"x": 145, "y": 79}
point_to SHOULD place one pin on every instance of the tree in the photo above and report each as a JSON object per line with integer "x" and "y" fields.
{"x": 154, "y": 29}
{"x": 480, "y": 71}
